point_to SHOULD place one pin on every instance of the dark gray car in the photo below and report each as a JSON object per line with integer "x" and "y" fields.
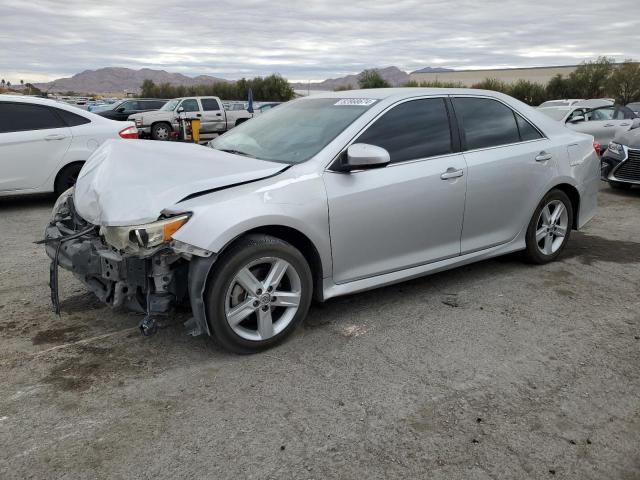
{"x": 122, "y": 110}
{"x": 621, "y": 161}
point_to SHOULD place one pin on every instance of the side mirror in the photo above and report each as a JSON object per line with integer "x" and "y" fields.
{"x": 361, "y": 156}
{"x": 180, "y": 109}
{"x": 635, "y": 124}
{"x": 120, "y": 109}
{"x": 577, "y": 118}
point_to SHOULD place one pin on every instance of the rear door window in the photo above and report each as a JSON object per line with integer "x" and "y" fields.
{"x": 412, "y": 130}
{"x": 18, "y": 117}
{"x": 486, "y": 122}
{"x": 209, "y": 104}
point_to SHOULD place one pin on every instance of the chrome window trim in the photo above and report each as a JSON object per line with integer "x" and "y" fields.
{"x": 462, "y": 151}
{"x": 486, "y": 97}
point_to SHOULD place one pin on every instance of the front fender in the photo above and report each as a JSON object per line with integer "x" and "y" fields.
{"x": 287, "y": 201}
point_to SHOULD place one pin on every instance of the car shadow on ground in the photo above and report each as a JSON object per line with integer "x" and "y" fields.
{"x": 20, "y": 202}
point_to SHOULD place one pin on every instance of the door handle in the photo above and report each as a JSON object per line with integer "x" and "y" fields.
{"x": 543, "y": 157}
{"x": 55, "y": 136}
{"x": 451, "y": 173}
{"x": 609, "y": 125}
{"x": 198, "y": 115}
{"x": 218, "y": 114}
{"x": 625, "y": 124}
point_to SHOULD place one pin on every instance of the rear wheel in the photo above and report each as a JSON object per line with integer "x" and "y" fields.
{"x": 161, "y": 131}
{"x": 549, "y": 228}
{"x": 67, "y": 178}
{"x": 258, "y": 291}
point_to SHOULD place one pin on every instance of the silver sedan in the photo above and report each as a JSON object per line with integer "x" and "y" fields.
{"x": 320, "y": 197}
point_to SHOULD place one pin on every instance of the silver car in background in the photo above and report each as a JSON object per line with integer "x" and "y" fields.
{"x": 324, "y": 196}
{"x": 604, "y": 122}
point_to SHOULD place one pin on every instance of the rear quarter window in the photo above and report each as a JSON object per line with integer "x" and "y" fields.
{"x": 71, "y": 119}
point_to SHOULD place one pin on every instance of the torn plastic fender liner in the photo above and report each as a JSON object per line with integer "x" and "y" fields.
{"x": 199, "y": 269}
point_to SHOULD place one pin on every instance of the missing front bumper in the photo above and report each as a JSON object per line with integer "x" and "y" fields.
{"x": 154, "y": 284}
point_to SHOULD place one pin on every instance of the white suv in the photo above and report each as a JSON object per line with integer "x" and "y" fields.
{"x": 44, "y": 143}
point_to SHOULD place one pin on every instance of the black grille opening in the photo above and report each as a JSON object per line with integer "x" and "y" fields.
{"x": 630, "y": 168}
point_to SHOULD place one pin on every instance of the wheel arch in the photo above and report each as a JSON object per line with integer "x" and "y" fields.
{"x": 574, "y": 197}
{"x": 300, "y": 241}
{"x": 63, "y": 168}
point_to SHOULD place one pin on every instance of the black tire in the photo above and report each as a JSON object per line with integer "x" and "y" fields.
{"x": 67, "y": 178}
{"x": 158, "y": 131}
{"x": 620, "y": 185}
{"x": 245, "y": 250}
{"x": 532, "y": 253}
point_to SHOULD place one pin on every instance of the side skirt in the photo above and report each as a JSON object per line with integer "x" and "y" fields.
{"x": 331, "y": 289}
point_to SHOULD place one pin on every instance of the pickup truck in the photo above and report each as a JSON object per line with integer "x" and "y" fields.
{"x": 214, "y": 119}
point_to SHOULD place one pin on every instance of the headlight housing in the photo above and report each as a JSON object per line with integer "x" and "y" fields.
{"x": 615, "y": 148}
{"x": 61, "y": 208}
{"x": 147, "y": 236}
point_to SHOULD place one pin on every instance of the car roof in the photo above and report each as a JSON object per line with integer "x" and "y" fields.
{"x": 406, "y": 92}
{"x": 51, "y": 103}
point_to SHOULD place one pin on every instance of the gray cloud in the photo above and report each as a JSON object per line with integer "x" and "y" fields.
{"x": 44, "y": 39}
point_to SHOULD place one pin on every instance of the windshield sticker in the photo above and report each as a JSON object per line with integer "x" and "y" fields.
{"x": 359, "y": 102}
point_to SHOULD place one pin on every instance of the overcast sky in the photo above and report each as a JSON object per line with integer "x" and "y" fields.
{"x": 312, "y": 40}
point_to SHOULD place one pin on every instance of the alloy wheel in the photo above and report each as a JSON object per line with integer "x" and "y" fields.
{"x": 552, "y": 227}
{"x": 263, "y": 298}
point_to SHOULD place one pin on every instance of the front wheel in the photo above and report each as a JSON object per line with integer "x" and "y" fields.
{"x": 258, "y": 291}
{"x": 549, "y": 228}
{"x": 161, "y": 131}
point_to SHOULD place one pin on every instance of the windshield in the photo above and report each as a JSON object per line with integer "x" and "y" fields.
{"x": 295, "y": 131}
{"x": 555, "y": 113}
{"x": 170, "y": 105}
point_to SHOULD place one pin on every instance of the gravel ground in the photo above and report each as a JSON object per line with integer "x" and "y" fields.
{"x": 495, "y": 370}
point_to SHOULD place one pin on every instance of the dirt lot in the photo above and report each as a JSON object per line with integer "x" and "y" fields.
{"x": 496, "y": 370}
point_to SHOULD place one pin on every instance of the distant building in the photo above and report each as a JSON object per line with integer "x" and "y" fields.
{"x": 508, "y": 75}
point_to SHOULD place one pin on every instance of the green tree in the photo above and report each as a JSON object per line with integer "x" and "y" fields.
{"x": 372, "y": 79}
{"x": 624, "y": 82}
{"x": 530, "y": 93}
{"x": 433, "y": 84}
{"x": 559, "y": 87}
{"x": 271, "y": 88}
{"x": 590, "y": 79}
{"x": 492, "y": 84}
{"x": 2, "y": 83}
{"x": 343, "y": 88}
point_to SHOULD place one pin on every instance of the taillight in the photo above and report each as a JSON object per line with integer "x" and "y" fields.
{"x": 598, "y": 148}
{"x": 129, "y": 132}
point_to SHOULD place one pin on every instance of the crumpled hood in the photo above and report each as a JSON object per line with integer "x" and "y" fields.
{"x": 130, "y": 182}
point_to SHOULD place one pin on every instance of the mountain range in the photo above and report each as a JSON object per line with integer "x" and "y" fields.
{"x": 119, "y": 79}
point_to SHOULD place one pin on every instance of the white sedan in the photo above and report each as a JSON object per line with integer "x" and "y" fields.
{"x": 44, "y": 143}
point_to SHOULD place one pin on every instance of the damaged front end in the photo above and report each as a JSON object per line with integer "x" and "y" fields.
{"x": 139, "y": 267}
